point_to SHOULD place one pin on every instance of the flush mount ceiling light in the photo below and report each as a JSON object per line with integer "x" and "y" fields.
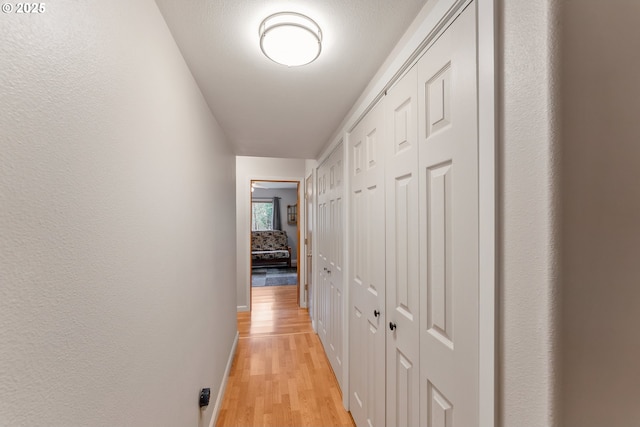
{"x": 290, "y": 38}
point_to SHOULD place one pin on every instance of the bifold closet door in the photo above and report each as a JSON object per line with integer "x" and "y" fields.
{"x": 330, "y": 260}
{"x": 402, "y": 257}
{"x": 448, "y": 169}
{"x": 334, "y": 276}
{"x": 367, "y": 271}
{"x": 322, "y": 221}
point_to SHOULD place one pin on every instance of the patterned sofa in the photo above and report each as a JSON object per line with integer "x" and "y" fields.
{"x": 270, "y": 248}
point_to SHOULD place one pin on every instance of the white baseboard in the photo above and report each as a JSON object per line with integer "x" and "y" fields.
{"x": 242, "y": 308}
{"x": 223, "y": 385}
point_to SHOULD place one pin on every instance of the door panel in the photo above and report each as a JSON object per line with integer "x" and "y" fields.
{"x": 309, "y": 246}
{"x": 331, "y": 292}
{"x": 367, "y": 283}
{"x": 335, "y": 266}
{"x": 402, "y": 246}
{"x": 322, "y": 258}
{"x": 448, "y": 173}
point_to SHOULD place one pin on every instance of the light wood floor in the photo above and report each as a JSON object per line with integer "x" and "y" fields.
{"x": 280, "y": 375}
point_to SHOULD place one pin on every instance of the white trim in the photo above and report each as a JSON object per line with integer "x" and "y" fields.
{"x": 313, "y": 310}
{"x": 302, "y": 256}
{"x": 225, "y": 379}
{"x": 456, "y": 7}
{"x": 314, "y": 248}
{"x": 429, "y": 23}
{"x": 487, "y": 211}
{"x": 346, "y": 196}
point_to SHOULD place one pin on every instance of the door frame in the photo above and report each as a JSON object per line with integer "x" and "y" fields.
{"x": 301, "y": 212}
{"x": 488, "y": 219}
{"x": 310, "y": 224}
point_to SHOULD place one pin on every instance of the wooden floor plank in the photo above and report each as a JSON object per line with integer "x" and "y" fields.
{"x": 280, "y": 375}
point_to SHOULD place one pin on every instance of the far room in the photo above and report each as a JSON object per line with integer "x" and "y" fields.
{"x": 274, "y": 233}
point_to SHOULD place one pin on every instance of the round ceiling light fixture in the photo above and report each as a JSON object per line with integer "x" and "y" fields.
{"x": 290, "y": 38}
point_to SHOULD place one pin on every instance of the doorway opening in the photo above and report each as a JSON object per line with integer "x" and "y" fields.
{"x": 275, "y": 238}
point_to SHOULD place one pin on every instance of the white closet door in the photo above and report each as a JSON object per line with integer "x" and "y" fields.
{"x": 335, "y": 297}
{"x": 402, "y": 258}
{"x": 330, "y": 260}
{"x": 448, "y": 164}
{"x": 367, "y": 271}
{"x": 323, "y": 319}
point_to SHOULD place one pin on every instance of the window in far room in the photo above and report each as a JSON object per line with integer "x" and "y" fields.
{"x": 261, "y": 214}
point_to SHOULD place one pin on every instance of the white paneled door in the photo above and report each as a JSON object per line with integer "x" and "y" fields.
{"x": 330, "y": 260}
{"x": 402, "y": 253}
{"x": 448, "y": 172}
{"x": 414, "y": 243}
{"x": 322, "y": 235}
{"x": 367, "y": 271}
{"x": 335, "y": 267}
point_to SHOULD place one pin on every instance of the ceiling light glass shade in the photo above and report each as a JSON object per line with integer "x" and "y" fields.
{"x": 290, "y": 38}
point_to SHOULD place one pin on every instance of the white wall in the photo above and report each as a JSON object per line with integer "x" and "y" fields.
{"x": 117, "y": 223}
{"x": 288, "y": 196}
{"x": 528, "y": 215}
{"x": 259, "y": 168}
{"x": 570, "y": 205}
{"x": 601, "y": 207}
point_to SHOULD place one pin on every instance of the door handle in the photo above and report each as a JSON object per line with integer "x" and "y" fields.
{"x": 392, "y": 326}
{"x": 376, "y": 313}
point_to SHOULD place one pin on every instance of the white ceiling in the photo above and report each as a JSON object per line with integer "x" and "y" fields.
{"x": 267, "y": 109}
{"x": 275, "y": 185}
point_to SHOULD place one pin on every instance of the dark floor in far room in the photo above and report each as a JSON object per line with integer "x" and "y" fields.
{"x": 274, "y": 276}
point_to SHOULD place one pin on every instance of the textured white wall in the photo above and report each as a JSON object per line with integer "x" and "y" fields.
{"x": 267, "y": 168}
{"x": 601, "y": 194}
{"x": 117, "y": 223}
{"x": 528, "y": 215}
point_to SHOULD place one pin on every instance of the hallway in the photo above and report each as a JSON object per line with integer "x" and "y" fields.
{"x": 280, "y": 374}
